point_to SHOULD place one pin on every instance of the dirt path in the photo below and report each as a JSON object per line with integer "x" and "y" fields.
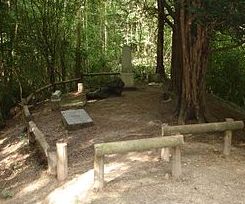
{"x": 131, "y": 178}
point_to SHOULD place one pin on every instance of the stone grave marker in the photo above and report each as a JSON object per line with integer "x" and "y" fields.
{"x": 76, "y": 118}
{"x": 127, "y": 59}
{"x": 55, "y": 100}
{"x": 127, "y": 75}
{"x": 81, "y": 91}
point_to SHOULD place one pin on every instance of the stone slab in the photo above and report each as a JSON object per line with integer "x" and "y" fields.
{"x": 76, "y": 118}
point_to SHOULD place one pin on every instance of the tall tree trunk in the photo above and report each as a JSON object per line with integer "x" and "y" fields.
{"x": 176, "y": 70}
{"x": 103, "y": 27}
{"x": 51, "y": 71}
{"x": 176, "y": 62}
{"x": 63, "y": 60}
{"x": 160, "y": 40}
{"x": 78, "y": 45}
{"x": 194, "y": 59}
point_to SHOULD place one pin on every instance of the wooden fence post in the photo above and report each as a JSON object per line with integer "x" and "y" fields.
{"x": 98, "y": 172}
{"x": 176, "y": 162}
{"x": 227, "y": 139}
{"x": 62, "y": 161}
{"x": 165, "y": 152}
{"x": 52, "y": 163}
{"x": 135, "y": 145}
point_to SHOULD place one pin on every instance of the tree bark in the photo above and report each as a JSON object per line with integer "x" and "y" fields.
{"x": 194, "y": 42}
{"x": 176, "y": 70}
{"x": 160, "y": 41}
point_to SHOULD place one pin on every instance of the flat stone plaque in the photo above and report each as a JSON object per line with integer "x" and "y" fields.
{"x": 75, "y": 119}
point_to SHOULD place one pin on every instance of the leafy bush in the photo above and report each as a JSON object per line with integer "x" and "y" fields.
{"x": 226, "y": 75}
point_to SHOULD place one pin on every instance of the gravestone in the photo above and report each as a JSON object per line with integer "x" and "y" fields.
{"x": 56, "y": 95}
{"x": 76, "y": 118}
{"x": 55, "y": 100}
{"x": 127, "y": 75}
{"x": 127, "y": 59}
{"x": 81, "y": 91}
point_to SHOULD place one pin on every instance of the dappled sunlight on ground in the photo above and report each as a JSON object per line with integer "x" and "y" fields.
{"x": 3, "y": 140}
{"x": 14, "y": 147}
{"x": 142, "y": 156}
{"x": 73, "y": 190}
{"x": 135, "y": 177}
{"x": 79, "y": 187}
{"x": 35, "y": 185}
{"x": 115, "y": 170}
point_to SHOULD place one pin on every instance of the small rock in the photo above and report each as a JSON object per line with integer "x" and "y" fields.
{"x": 166, "y": 176}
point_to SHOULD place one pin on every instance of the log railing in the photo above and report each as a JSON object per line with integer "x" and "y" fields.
{"x": 30, "y": 96}
{"x": 136, "y": 145}
{"x": 226, "y": 127}
{"x": 203, "y": 128}
{"x": 57, "y": 160}
{"x": 27, "y": 114}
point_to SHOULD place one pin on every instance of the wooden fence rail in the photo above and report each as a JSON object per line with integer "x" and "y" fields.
{"x": 27, "y": 113}
{"x": 39, "y": 137}
{"x": 226, "y": 127}
{"x": 30, "y": 96}
{"x": 136, "y": 145}
{"x": 57, "y": 160}
{"x": 203, "y": 128}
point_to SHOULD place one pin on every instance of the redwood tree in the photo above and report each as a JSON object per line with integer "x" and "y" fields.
{"x": 194, "y": 23}
{"x": 160, "y": 40}
{"x": 194, "y": 48}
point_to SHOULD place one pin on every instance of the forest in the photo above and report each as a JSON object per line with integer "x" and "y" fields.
{"x": 197, "y": 46}
{"x": 99, "y": 97}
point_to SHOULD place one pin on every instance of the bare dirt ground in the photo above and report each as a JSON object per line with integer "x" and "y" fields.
{"x": 207, "y": 177}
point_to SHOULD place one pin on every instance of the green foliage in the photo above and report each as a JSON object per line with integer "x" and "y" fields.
{"x": 43, "y": 38}
{"x": 226, "y": 73}
{"x": 5, "y": 194}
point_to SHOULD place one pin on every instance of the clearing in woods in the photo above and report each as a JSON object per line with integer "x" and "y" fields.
{"x": 207, "y": 177}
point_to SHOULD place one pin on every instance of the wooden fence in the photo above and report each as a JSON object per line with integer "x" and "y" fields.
{"x": 57, "y": 160}
{"x": 30, "y": 96}
{"x": 136, "y": 145}
{"x": 226, "y": 127}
